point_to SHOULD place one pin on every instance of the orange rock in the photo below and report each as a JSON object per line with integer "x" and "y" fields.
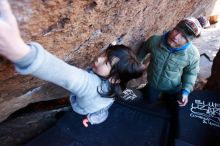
{"x": 213, "y": 19}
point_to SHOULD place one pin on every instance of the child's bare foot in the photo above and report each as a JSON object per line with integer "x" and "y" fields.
{"x": 85, "y": 122}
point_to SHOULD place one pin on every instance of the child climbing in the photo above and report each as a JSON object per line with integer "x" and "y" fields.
{"x": 92, "y": 91}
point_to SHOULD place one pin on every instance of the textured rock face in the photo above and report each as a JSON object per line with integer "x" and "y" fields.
{"x": 214, "y": 81}
{"x": 76, "y": 31}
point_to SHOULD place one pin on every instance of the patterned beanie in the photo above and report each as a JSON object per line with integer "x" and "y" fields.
{"x": 190, "y": 27}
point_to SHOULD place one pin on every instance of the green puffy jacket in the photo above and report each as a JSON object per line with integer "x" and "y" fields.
{"x": 169, "y": 71}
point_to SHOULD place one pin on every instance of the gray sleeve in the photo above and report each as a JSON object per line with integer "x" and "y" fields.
{"x": 190, "y": 73}
{"x": 99, "y": 116}
{"x": 42, "y": 64}
{"x": 27, "y": 59}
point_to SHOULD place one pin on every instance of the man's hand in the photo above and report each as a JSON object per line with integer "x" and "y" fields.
{"x": 183, "y": 100}
{"x": 146, "y": 61}
{"x": 11, "y": 44}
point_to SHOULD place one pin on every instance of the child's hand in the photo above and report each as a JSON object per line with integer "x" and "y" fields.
{"x": 85, "y": 122}
{"x": 11, "y": 44}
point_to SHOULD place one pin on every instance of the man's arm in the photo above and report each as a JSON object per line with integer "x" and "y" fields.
{"x": 144, "y": 50}
{"x": 190, "y": 75}
{"x": 188, "y": 79}
{"x": 144, "y": 54}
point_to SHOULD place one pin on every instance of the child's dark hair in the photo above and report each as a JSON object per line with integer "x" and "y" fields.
{"x": 126, "y": 67}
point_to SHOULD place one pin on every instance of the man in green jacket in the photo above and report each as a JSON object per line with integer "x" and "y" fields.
{"x": 174, "y": 62}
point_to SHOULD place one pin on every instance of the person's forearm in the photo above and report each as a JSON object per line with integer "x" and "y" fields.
{"x": 142, "y": 52}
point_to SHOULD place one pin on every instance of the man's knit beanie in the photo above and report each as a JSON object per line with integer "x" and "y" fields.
{"x": 190, "y": 27}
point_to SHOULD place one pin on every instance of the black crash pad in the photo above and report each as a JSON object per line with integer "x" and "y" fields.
{"x": 139, "y": 124}
{"x": 199, "y": 121}
{"x": 127, "y": 125}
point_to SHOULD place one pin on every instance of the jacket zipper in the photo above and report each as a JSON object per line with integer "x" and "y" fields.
{"x": 164, "y": 65}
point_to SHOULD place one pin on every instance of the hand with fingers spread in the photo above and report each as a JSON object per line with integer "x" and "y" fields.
{"x": 11, "y": 44}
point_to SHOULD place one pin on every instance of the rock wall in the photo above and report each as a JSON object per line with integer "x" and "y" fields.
{"x": 77, "y": 30}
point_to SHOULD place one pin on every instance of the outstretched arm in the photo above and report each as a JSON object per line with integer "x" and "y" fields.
{"x": 34, "y": 59}
{"x": 11, "y": 44}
